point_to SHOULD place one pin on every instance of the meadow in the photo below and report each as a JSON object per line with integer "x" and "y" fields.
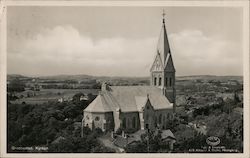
{"x": 48, "y": 95}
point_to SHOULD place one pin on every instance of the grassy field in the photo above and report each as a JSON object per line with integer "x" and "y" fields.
{"x": 46, "y": 95}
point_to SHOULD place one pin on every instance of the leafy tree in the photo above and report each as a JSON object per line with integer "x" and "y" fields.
{"x": 15, "y": 85}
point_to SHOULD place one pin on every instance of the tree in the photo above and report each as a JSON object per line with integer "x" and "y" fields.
{"x": 15, "y": 86}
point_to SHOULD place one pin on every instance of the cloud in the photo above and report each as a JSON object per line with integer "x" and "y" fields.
{"x": 196, "y": 53}
{"x": 63, "y": 50}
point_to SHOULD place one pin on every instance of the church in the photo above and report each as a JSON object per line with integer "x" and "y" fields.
{"x": 138, "y": 107}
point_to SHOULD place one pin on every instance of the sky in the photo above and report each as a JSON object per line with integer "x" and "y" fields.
{"x": 121, "y": 41}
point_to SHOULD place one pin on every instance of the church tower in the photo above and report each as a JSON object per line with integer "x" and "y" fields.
{"x": 162, "y": 70}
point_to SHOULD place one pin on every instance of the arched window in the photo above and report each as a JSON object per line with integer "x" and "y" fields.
{"x": 160, "y": 119}
{"x": 167, "y": 82}
{"x": 133, "y": 122}
{"x": 170, "y": 82}
{"x": 155, "y": 81}
{"x": 160, "y": 81}
{"x": 124, "y": 122}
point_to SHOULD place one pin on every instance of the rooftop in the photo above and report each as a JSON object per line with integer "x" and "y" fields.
{"x": 128, "y": 99}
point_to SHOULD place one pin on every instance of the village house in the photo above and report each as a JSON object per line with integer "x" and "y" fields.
{"x": 137, "y": 107}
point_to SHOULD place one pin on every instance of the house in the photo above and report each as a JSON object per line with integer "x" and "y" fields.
{"x": 167, "y": 138}
{"x": 58, "y": 140}
{"x": 84, "y": 97}
{"x": 138, "y": 107}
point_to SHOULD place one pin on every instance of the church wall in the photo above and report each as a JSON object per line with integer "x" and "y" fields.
{"x": 162, "y": 117}
{"x": 88, "y": 119}
{"x": 109, "y": 121}
{"x": 103, "y": 121}
{"x": 148, "y": 117}
{"x": 172, "y": 76}
{"x": 170, "y": 86}
{"x": 157, "y": 75}
{"x": 127, "y": 121}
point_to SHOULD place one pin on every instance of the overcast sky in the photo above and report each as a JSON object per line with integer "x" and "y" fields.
{"x": 121, "y": 41}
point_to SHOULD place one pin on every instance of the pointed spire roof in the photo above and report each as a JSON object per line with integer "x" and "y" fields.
{"x": 163, "y": 47}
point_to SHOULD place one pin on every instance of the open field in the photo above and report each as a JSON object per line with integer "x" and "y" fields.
{"x": 47, "y": 95}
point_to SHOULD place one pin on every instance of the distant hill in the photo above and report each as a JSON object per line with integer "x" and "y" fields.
{"x": 74, "y": 77}
{"x": 210, "y": 77}
{"x": 67, "y": 77}
{"x": 111, "y": 78}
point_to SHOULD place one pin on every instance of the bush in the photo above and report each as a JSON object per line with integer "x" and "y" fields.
{"x": 130, "y": 130}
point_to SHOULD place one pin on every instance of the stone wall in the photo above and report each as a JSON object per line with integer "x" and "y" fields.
{"x": 130, "y": 120}
{"x": 104, "y": 121}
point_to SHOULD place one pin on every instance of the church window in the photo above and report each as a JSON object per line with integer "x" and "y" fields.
{"x": 160, "y": 119}
{"x": 155, "y": 81}
{"x": 128, "y": 123}
{"x": 124, "y": 122}
{"x": 134, "y": 122}
{"x": 167, "y": 82}
{"x": 170, "y": 82}
{"x": 87, "y": 117}
{"x": 97, "y": 118}
{"x": 155, "y": 121}
{"x": 160, "y": 81}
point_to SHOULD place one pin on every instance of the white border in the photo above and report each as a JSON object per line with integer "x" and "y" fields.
{"x": 3, "y": 65}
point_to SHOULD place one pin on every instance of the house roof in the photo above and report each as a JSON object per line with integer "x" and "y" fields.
{"x": 166, "y": 134}
{"x": 120, "y": 141}
{"x": 57, "y": 140}
{"x": 123, "y": 142}
{"x": 128, "y": 99}
{"x": 135, "y": 137}
{"x": 140, "y": 102}
{"x": 238, "y": 110}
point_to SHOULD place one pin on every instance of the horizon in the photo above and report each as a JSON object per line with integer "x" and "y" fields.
{"x": 122, "y": 76}
{"x": 122, "y": 41}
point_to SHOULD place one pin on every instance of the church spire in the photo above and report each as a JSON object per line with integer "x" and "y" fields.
{"x": 163, "y": 45}
{"x": 162, "y": 70}
{"x": 163, "y": 16}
